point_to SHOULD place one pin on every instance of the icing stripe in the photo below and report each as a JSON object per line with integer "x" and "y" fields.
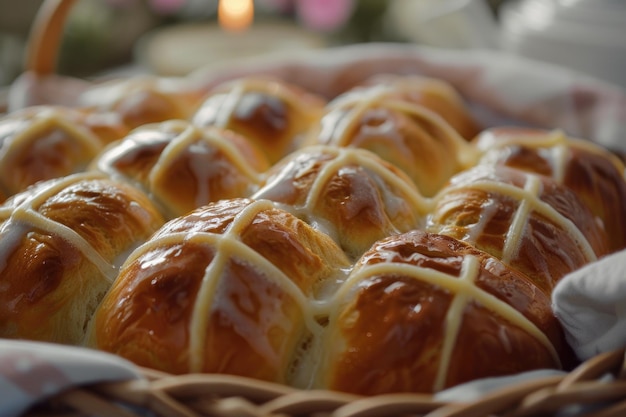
{"x": 357, "y": 104}
{"x": 454, "y": 318}
{"x": 350, "y": 156}
{"x": 52, "y": 119}
{"x": 39, "y": 221}
{"x": 228, "y": 245}
{"x": 520, "y": 219}
{"x": 238, "y": 90}
{"x": 464, "y": 288}
{"x": 26, "y": 214}
{"x": 536, "y": 204}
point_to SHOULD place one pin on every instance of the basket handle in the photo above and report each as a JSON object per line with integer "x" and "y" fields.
{"x": 45, "y": 36}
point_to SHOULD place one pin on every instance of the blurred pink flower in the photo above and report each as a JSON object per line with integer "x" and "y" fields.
{"x": 320, "y": 15}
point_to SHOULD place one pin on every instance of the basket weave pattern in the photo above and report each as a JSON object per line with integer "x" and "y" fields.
{"x": 596, "y": 388}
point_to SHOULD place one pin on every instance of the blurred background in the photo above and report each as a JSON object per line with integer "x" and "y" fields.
{"x": 173, "y": 37}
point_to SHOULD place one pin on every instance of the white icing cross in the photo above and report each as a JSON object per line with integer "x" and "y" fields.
{"x": 529, "y": 201}
{"x": 24, "y": 218}
{"x": 464, "y": 291}
{"x": 358, "y": 104}
{"x": 349, "y": 156}
{"x": 237, "y": 91}
{"x": 228, "y": 246}
{"x": 48, "y": 119}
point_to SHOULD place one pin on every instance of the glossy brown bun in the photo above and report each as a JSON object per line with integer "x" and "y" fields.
{"x": 61, "y": 245}
{"x": 230, "y": 288}
{"x": 593, "y": 173}
{"x": 409, "y": 136}
{"x": 46, "y": 142}
{"x": 272, "y": 114}
{"x": 351, "y": 194}
{"x": 528, "y": 221}
{"x": 421, "y": 312}
{"x": 434, "y": 94}
{"x": 141, "y": 100}
{"x": 183, "y": 167}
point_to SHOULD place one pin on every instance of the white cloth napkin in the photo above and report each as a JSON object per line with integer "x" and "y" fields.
{"x": 32, "y": 371}
{"x": 475, "y": 390}
{"x": 591, "y": 305}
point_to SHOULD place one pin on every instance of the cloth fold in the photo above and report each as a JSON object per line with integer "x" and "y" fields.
{"x": 33, "y": 371}
{"x": 591, "y": 305}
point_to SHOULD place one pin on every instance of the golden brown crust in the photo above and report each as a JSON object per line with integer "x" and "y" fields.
{"x": 46, "y": 142}
{"x": 183, "y": 167}
{"x": 228, "y": 288}
{"x": 270, "y": 113}
{"x": 351, "y": 194}
{"x": 530, "y": 222}
{"x": 594, "y": 174}
{"x": 421, "y": 312}
{"x": 411, "y": 137}
{"x": 62, "y": 242}
{"x": 434, "y": 94}
{"x": 141, "y": 100}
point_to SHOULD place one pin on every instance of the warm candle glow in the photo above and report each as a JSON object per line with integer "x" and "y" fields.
{"x": 235, "y": 15}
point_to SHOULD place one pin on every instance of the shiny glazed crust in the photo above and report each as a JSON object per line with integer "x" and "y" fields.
{"x": 272, "y": 114}
{"x": 594, "y": 174}
{"x": 421, "y": 312}
{"x": 61, "y": 244}
{"x": 410, "y": 136}
{"x": 182, "y": 167}
{"x": 228, "y": 288}
{"x": 433, "y": 94}
{"x": 47, "y": 142}
{"x": 351, "y": 194}
{"x": 141, "y": 100}
{"x": 526, "y": 220}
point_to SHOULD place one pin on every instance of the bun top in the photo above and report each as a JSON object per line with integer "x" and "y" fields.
{"x": 46, "y": 142}
{"x": 272, "y": 114}
{"x": 351, "y": 194}
{"x": 421, "y": 312}
{"x": 61, "y": 244}
{"x": 182, "y": 166}
{"x": 249, "y": 280}
{"x": 141, "y": 100}
{"x": 528, "y": 221}
{"x": 593, "y": 173}
{"x": 406, "y": 134}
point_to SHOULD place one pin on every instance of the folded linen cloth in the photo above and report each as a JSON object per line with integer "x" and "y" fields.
{"x": 475, "y": 390}
{"x": 591, "y": 305}
{"x": 33, "y": 371}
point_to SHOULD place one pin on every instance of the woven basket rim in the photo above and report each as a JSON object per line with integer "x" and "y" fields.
{"x": 598, "y": 384}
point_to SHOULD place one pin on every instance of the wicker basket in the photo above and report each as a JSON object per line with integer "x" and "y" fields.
{"x": 596, "y": 387}
{"x": 588, "y": 389}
